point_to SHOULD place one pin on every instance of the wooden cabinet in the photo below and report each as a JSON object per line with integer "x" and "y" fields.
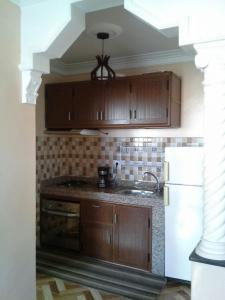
{"x": 144, "y": 101}
{"x": 117, "y": 233}
{"x": 132, "y": 236}
{"x": 59, "y": 106}
{"x": 97, "y": 241}
{"x": 150, "y": 105}
{"x": 97, "y": 229}
{"x": 99, "y": 104}
{"x": 88, "y": 104}
{"x": 117, "y": 102}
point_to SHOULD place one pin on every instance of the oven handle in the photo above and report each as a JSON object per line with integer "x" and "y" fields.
{"x": 59, "y": 213}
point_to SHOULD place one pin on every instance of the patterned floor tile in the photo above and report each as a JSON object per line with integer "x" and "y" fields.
{"x": 176, "y": 291}
{"x": 50, "y": 288}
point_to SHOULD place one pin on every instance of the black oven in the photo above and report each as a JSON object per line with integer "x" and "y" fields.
{"x": 60, "y": 224}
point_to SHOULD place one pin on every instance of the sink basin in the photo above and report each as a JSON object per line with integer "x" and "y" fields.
{"x": 135, "y": 192}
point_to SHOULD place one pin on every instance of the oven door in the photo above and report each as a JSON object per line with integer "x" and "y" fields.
{"x": 60, "y": 224}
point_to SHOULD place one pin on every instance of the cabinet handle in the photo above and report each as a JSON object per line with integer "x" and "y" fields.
{"x": 97, "y": 116}
{"x": 135, "y": 114}
{"x": 130, "y": 86}
{"x": 115, "y": 218}
{"x": 69, "y": 116}
{"x": 130, "y": 114}
{"x": 96, "y": 206}
{"x": 109, "y": 238}
{"x": 166, "y": 170}
{"x": 166, "y": 199}
{"x": 101, "y": 115}
{"x": 167, "y": 112}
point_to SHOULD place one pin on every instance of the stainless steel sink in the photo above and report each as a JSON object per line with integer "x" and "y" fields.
{"x": 135, "y": 192}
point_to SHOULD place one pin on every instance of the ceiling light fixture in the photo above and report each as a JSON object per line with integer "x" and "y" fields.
{"x": 102, "y": 71}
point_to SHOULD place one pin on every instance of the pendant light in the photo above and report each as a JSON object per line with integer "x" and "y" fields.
{"x": 102, "y": 71}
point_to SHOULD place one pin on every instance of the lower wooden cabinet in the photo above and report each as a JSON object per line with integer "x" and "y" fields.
{"x": 97, "y": 241}
{"x": 132, "y": 236}
{"x": 97, "y": 229}
{"x": 117, "y": 233}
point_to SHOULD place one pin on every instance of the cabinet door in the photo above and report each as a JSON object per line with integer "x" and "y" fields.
{"x": 150, "y": 102}
{"x": 58, "y": 106}
{"x": 117, "y": 102}
{"x": 132, "y": 241}
{"x": 88, "y": 104}
{"x": 97, "y": 240}
{"x": 97, "y": 229}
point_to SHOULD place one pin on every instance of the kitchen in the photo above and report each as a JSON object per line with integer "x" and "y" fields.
{"x": 19, "y": 86}
{"x": 135, "y": 150}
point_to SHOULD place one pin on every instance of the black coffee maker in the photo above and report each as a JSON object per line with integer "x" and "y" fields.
{"x": 103, "y": 177}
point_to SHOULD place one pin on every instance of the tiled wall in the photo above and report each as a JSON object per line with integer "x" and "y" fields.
{"x": 80, "y": 156}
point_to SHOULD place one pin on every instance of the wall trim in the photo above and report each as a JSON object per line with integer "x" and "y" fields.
{"x": 126, "y": 62}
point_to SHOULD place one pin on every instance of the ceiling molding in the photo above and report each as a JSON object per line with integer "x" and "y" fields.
{"x": 94, "y": 5}
{"x": 162, "y": 22}
{"x": 128, "y": 62}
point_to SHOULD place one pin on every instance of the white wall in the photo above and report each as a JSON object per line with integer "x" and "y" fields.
{"x": 191, "y": 108}
{"x": 17, "y": 168}
{"x": 208, "y": 282}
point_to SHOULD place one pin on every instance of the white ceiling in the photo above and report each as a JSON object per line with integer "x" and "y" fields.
{"x": 136, "y": 38}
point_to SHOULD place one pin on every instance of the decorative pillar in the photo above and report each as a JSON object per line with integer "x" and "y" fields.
{"x": 210, "y": 59}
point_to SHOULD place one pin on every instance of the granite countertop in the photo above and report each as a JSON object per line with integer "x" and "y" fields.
{"x": 90, "y": 190}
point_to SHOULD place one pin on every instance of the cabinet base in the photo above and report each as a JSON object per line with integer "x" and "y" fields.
{"x": 121, "y": 280}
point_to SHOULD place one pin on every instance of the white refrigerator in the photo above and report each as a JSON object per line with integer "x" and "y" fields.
{"x": 183, "y": 195}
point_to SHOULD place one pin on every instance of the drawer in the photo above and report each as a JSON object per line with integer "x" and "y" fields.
{"x": 96, "y": 212}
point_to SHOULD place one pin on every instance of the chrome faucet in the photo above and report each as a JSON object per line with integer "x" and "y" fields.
{"x": 156, "y": 178}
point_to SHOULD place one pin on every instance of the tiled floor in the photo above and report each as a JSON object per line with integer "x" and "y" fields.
{"x": 176, "y": 291}
{"x": 50, "y": 288}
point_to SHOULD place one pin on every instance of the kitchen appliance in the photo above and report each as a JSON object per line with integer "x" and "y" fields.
{"x": 103, "y": 177}
{"x": 183, "y": 195}
{"x": 60, "y": 224}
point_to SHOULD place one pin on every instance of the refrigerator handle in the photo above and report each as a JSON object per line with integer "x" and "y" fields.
{"x": 166, "y": 170}
{"x": 166, "y": 199}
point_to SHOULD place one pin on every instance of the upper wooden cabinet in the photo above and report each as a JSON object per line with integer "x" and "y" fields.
{"x": 99, "y": 104}
{"x": 88, "y": 104}
{"x": 147, "y": 101}
{"x": 59, "y": 106}
{"x": 150, "y": 100}
{"x": 117, "y": 102}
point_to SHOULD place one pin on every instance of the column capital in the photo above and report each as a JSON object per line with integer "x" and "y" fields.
{"x": 45, "y": 38}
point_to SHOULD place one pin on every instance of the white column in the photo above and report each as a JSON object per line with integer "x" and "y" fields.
{"x": 210, "y": 59}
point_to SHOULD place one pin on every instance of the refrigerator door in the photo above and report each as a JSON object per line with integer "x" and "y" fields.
{"x": 183, "y": 228}
{"x": 183, "y": 165}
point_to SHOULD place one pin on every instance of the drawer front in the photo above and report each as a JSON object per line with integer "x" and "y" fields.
{"x": 97, "y": 212}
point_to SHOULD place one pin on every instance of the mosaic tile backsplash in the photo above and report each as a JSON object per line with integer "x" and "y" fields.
{"x": 81, "y": 156}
